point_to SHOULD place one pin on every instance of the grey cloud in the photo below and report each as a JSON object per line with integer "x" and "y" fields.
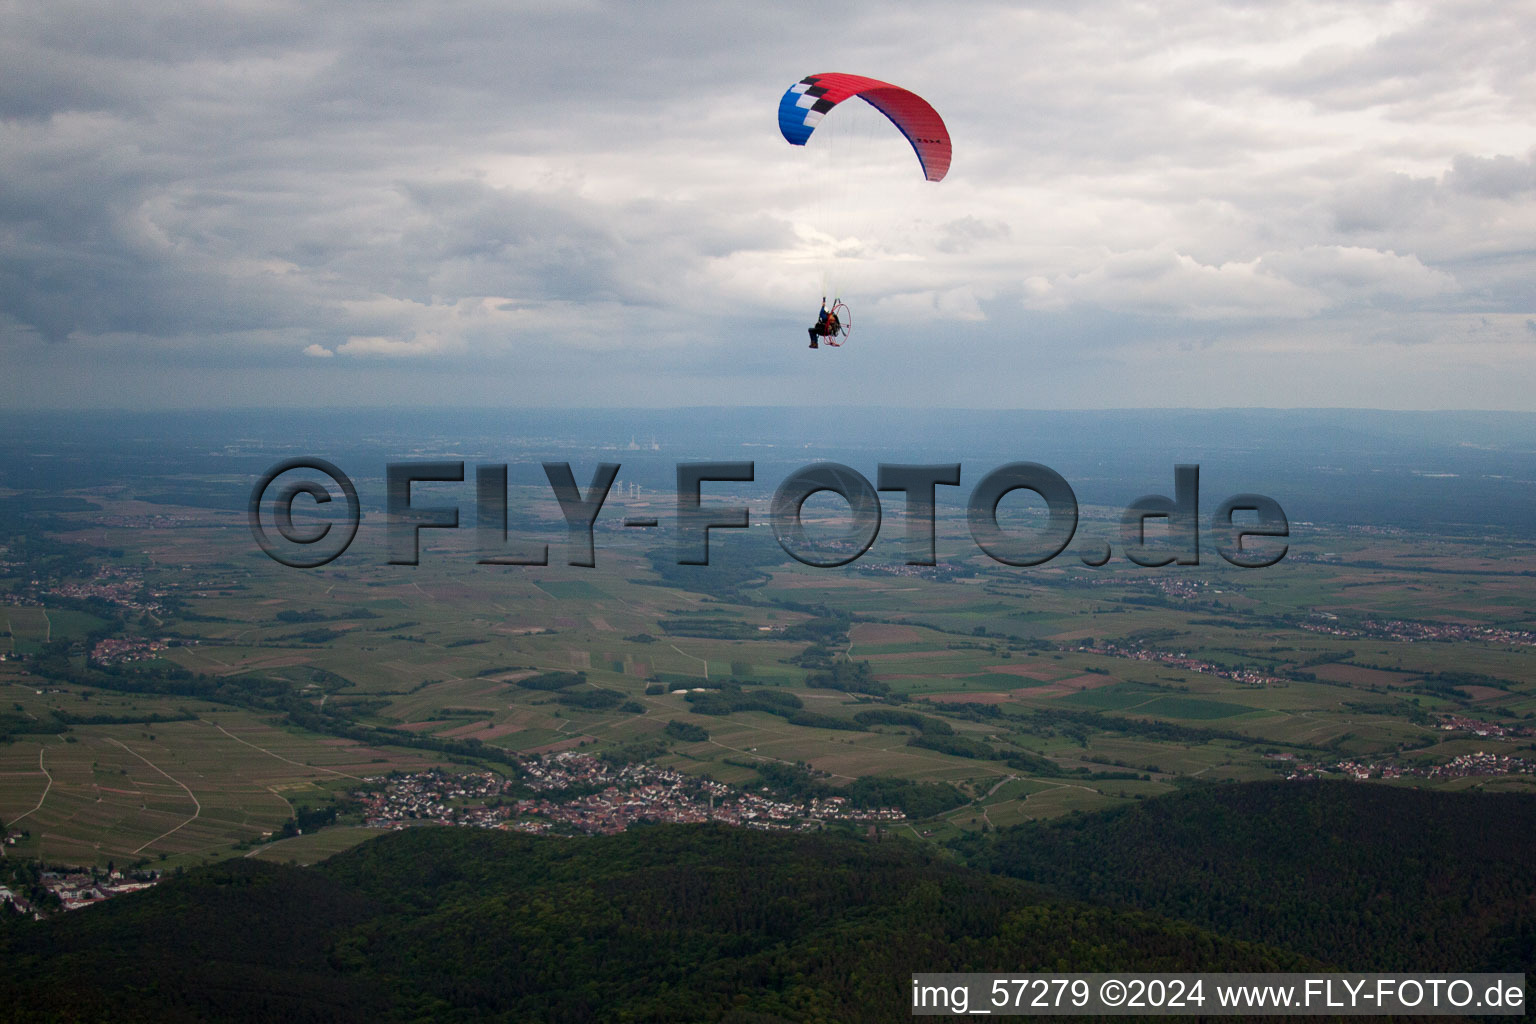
{"x": 1384, "y": 203}
{"x": 463, "y": 183}
{"x": 1497, "y": 177}
{"x": 966, "y": 232}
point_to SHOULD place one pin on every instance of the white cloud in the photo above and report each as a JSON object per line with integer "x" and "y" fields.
{"x": 392, "y": 348}
{"x": 1352, "y": 273}
{"x": 1163, "y": 282}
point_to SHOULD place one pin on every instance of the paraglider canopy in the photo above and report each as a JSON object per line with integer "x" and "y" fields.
{"x": 808, "y": 101}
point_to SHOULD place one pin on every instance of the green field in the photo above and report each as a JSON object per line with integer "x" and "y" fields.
{"x": 314, "y": 847}
{"x": 1096, "y": 671}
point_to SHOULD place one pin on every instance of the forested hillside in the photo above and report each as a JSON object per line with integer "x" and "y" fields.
{"x": 671, "y": 923}
{"x": 1364, "y": 876}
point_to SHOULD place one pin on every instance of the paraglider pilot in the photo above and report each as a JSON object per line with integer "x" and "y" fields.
{"x": 827, "y": 325}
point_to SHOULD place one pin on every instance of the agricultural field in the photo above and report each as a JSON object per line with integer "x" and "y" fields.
{"x": 184, "y": 783}
{"x": 1035, "y": 691}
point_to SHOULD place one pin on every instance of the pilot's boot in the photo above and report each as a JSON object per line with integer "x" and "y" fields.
{"x": 812, "y": 332}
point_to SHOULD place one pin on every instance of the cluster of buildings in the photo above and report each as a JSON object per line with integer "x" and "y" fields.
{"x": 117, "y": 649}
{"x": 570, "y": 769}
{"x": 1184, "y": 588}
{"x": 76, "y": 889}
{"x": 581, "y": 793}
{"x": 1480, "y": 763}
{"x": 614, "y": 810}
{"x": 938, "y": 573}
{"x": 433, "y": 795}
{"x": 1178, "y": 659}
{"x": 1459, "y": 767}
{"x": 1408, "y": 632}
{"x": 124, "y": 587}
{"x": 1178, "y": 586}
{"x": 144, "y": 521}
{"x": 1481, "y": 728}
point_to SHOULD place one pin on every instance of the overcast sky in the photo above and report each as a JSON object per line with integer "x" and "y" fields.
{"x": 1170, "y": 204}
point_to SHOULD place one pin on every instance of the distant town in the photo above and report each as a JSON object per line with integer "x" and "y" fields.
{"x": 1404, "y": 631}
{"x": 1459, "y": 767}
{"x": 1182, "y": 660}
{"x": 580, "y": 793}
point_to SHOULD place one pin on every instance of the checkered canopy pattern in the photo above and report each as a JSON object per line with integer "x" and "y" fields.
{"x": 808, "y": 101}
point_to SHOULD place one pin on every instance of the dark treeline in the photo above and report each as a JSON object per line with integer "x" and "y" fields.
{"x": 911, "y": 719}
{"x": 553, "y": 680}
{"x": 595, "y": 699}
{"x": 1077, "y": 722}
{"x": 130, "y": 719}
{"x": 730, "y": 698}
{"x": 850, "y": 677}
{"x": 686, "y": 731}
{"x": 711, "y": 628}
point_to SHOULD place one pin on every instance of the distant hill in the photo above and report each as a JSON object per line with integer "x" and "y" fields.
{"x": 1361, "y": 875}
{"x": 670, "y": 923}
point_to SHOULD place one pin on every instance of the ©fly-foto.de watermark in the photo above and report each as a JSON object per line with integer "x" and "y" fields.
{"x": 272, "y": 505}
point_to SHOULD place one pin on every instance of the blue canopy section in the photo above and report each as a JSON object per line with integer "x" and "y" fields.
{"x": 792, "y": 115}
